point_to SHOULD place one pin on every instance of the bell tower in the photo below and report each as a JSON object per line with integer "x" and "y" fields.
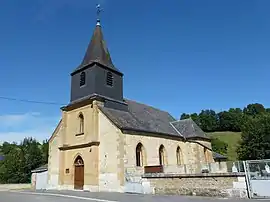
{"x": 97, "y": 77}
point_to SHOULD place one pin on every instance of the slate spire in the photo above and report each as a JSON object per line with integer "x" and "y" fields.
{"x": 97, "y": 51}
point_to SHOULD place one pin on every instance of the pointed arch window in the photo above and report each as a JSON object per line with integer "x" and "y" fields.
{"x": 81, "y": 119}
{"x": 78, "y": 161}
{"x": 82, "y": 79}
{"x": 206, "y": 155}
{"x": 109, "y": 79}
{"x": 139, "y": 155}
{"x": 179, "y": 156}
{"x": 162, "y": 155}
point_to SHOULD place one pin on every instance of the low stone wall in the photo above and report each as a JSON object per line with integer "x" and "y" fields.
{"x": 14, "y": 186}
{"x": 207, "y": 184}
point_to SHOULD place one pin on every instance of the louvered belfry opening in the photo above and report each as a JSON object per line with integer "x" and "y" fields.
{"x": 109, "y": 79}
{"x": 82, "y": 79}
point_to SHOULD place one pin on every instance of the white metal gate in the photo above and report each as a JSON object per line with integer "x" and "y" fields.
{"x": 41, "y": 180}
{"x": 134, "y": 187}
{"x": 258, "y": 178}
{"x": 133, "y": 184}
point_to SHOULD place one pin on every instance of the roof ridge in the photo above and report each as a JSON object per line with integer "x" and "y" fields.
{"x": 176, "y": 130}
{"x": 161, "y": 110}
{"x": 181, "y": 120}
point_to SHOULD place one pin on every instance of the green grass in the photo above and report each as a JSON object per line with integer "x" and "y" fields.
{"x": 232, "y": 139}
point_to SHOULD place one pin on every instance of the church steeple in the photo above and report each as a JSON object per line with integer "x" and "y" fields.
{"x": 97, "y": 51}
{"x": 96, "y": 76}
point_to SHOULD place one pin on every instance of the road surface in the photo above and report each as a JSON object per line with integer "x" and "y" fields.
{"x": 76, "y": 196}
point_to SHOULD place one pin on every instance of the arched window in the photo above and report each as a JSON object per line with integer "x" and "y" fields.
{"x": 178, "y": 156}
{"x": 78, "y": 161}
{"x": 82, "y": 79}
{"x": 109, "y": 79}
{"x": 139, "y": 155}
{"x": 81, "y": 119}
{"x": 161, "y": 155}
{"x": 205, "y": 154}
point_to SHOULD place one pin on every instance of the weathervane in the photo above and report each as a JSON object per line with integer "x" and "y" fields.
{"x": 98, "y": 13}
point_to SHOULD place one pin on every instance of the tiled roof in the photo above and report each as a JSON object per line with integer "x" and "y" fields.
{"x": 144, "y": 118}
{"x": 188, "y": 128}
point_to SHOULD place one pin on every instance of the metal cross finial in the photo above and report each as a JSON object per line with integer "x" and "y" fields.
{"x": 98, "y": 11}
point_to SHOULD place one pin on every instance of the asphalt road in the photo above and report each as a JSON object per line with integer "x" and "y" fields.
{"x": 73, "y": 196}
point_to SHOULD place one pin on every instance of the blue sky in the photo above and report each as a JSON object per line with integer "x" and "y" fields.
{"x": 179, "y": 56}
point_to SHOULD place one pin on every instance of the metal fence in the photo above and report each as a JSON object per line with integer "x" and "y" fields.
{"x": 258, "y": 178}
{"x": 215, "y": 167}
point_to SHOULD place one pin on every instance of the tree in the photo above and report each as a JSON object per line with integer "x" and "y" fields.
{"x": 32, "y": 155}
{"x": 254, "y": 109}
{"x": 45, "y": 151}
{"x": 12, "y": 168}
{"x": 184, "y": 116}
{"x": 195, "y": 117}
{"x": 230, "y": 120}
{"x": 255, "y": 142}
{"x": 208, "y": 120}
{"x": 20, "y": 159}
{"x": 7, "y": 147}
{"x": 219, "y": 146}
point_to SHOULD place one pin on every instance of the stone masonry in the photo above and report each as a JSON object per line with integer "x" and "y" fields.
{"x": 214, "y": 185}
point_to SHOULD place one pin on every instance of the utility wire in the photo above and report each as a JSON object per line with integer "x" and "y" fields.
{"x": 30, "y": 101}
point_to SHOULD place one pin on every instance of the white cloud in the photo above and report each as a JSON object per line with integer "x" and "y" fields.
{"x": 15, "y": 119}
{"x": 15, "y": 127}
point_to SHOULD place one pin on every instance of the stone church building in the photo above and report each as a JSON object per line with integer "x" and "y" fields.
{"x": 101, "y": 133}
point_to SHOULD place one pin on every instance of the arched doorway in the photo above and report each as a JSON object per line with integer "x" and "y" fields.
{"x": 78, "y": 173}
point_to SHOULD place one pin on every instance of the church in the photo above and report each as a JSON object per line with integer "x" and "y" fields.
{"x": 101, "y": 133}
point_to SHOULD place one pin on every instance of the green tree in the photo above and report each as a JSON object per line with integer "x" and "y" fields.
{"x": 32, "y": 155}
{"x": 184, "y": 116}
{"x": 208, "y": 120}
{"x": 195, "y": 117}
{"x": 6, "y": 147}
{"x": 219, "y": 146}
{"x": 45, "y": 151}
{"x": 254, "y": 109}
{"x": 255, "y": 142}
{"x": 12, "y": 167}
{"x": 230, "y": 120}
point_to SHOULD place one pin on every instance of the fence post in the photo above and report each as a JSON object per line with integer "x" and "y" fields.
{"x": 247, "y": 178}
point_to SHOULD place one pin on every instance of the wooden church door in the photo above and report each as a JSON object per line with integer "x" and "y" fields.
{"x": 79, "y": 173}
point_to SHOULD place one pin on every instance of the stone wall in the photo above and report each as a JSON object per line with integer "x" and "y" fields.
{"x": 111, "y": 172}
{"x": 214, "y": 185}
{"x": 191, "y": 152}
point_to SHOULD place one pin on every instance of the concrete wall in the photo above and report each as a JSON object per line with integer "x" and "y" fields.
{"x": 220, "y": 185}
